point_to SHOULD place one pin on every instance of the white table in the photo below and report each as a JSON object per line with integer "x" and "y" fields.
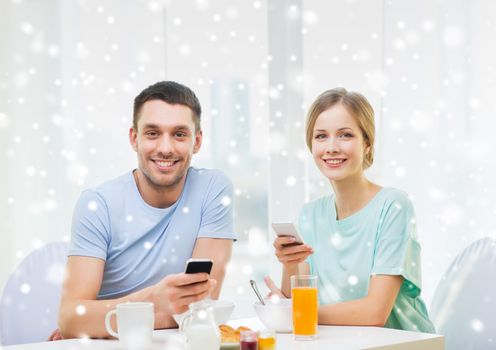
{"x": 329, "y": 337}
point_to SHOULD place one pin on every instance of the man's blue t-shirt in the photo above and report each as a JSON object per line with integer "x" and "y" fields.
{"x": 142, "y": 244}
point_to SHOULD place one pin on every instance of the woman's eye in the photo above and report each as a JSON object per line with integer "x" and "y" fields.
{"x": 346, "y": 135}
{"x": 319, "y": 136}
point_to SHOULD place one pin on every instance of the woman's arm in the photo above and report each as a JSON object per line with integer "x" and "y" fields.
{"x": 298, "y": 269}
{"x": 373, "y": 310}
{"x": 285, "y": 291}
{"x": 292, "y": 257}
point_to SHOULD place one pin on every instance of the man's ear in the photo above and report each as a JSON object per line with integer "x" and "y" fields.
{"x": 133, "y": 135}
{"x": 198, "y": 141}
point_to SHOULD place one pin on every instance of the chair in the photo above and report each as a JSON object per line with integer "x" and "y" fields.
{"x": 30, "y": 301}
{"x": 464, "y": 304}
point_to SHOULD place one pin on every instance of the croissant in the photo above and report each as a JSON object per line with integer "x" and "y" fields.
{"x": 229, "y": 334}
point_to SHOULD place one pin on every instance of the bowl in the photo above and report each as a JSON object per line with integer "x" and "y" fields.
{"x": 276, "y": 315}
{"x": 222, "y": 312}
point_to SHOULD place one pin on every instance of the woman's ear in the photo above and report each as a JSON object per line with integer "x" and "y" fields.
{"x": 367, "y": 148}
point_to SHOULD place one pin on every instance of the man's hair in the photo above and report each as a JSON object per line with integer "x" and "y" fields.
{"x": 171, "y": 92}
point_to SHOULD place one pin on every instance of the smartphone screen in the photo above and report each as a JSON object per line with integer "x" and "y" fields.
{"x": 199, "y": 265}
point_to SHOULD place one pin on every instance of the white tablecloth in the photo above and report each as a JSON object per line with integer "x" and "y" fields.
{"x": 329, "y": 337}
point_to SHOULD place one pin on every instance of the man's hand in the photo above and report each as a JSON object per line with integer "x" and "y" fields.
{"x": 174, "y": 293}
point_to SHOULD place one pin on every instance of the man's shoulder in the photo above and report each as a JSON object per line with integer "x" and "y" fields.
{"x": 205, "y": 176}
{"x": 113, "y": 187}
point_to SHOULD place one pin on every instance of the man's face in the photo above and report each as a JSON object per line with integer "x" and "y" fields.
{"x": 165, "y": 140}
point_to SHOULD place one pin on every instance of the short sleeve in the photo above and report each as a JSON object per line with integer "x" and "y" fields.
{"x": 217, "y": 211}
{"x": 90, "y": 232}
{"x": 397, "y": 249}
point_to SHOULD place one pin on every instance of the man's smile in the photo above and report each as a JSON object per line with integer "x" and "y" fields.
{"x": 165, "y": 164}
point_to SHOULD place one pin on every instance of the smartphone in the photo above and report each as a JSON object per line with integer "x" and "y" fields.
{"x": 287, "y": 229}
{"x": 199, "y": 265}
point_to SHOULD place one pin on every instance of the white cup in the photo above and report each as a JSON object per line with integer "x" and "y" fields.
{"x": 134, "y": 324}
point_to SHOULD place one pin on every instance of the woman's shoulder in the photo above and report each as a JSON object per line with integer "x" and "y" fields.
{"x": 391, "y": 195}
{"x": 395, "y": 202}
{"x": 318, "y": 203}
{"x": 320, "y": 207}
{"x": 312, "y": 213}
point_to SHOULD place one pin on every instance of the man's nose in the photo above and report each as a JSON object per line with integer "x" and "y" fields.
{"x": 165, "y": 145}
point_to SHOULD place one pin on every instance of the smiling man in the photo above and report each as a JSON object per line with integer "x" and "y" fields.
{"x": 132, "y": 235}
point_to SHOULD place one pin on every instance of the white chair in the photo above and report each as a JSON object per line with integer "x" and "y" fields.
{"x": 464, "y": 304}
{"x": 30, "y": 301}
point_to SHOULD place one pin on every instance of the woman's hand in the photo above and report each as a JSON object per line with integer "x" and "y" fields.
{"x": 274, "y": 291}
{"x": 55, "y": 335}
{"x": 290, "y": 254}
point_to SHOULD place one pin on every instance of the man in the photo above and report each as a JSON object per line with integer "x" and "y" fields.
{"x": 132, "y": 236}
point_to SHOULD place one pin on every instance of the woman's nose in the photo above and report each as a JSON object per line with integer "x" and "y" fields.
{"x": 332, "y": 145}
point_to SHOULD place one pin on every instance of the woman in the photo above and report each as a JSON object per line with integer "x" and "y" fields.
{"x": 361, "y": 242}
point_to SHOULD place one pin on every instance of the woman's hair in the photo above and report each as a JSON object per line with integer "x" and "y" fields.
{"x": 357, "y": 105}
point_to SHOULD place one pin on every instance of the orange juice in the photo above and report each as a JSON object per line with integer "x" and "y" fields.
{"x": 305, "y": 311}
{"x": 267, "y": 343}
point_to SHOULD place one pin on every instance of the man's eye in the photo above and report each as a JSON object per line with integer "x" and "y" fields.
{"x": 180, "y": 134}
{"x": 151, "y": 133}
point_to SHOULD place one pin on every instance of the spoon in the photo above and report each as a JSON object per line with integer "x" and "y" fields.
{"x": 255, "y": 289}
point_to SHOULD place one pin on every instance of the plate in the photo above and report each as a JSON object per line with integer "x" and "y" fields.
{"x": 229, "y": 346}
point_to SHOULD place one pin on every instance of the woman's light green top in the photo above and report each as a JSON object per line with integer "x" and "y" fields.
{"x": 379, "y": 239}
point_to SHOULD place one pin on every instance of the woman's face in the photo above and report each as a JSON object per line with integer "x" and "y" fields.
{"x": 338, "y": 147}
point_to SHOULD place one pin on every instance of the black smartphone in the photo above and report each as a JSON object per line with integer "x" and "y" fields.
{"x": 199, "y": 265}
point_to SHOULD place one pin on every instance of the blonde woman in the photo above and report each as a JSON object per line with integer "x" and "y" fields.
{"x": 361, "y": 241}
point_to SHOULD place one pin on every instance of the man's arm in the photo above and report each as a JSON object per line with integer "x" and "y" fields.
{"x": 82, "y": 315}
{"x": 219, "y": 250}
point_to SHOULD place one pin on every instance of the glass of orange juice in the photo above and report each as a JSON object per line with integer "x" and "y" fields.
{"x": 266, "y": 339}
{"x": 305, "y": 306}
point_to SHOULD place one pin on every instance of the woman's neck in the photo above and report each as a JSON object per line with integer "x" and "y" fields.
{"x": 353, "y": 194}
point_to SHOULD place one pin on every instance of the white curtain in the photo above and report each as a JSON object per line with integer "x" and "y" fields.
{"x": 69, "y": 72}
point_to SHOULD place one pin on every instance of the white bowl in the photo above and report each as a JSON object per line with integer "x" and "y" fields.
{"x": 222, "y": 311}
{"x": 276, "y": 315}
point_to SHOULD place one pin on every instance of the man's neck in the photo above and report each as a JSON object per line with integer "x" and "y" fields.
{"x": 157, "y": 196}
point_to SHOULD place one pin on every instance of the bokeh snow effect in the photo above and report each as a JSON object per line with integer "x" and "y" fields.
{"x": 67, "y": 84}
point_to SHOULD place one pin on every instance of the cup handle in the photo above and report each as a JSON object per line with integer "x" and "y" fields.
{"x": 185, "y": 322}
{"x": 108, "y": 325}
